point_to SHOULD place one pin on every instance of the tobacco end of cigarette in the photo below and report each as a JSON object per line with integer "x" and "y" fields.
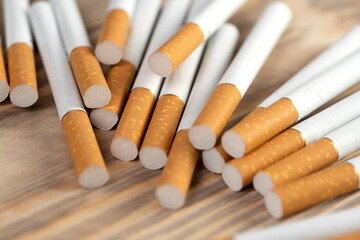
{"x": 273, "y": 204}
{"x": 93, "y": 177}
{"x": 152, "y": 157}
{"x": 97, "y": 96}
{"x": 213, "y": 160}
{"x": 24, "y": 95}
{"x": 123, "y": 149}
{"x": 233, "y": 144}
{"x": 170, "y": 197}
{"x": 232, "y": 177}
{"x": 173, "y": 53}
{"x": 4, "y": 90}
{"x": 103, "y": 118}
{"x": 107, "y": 52}
{"x": 263, "y": 183}
{"x": 202, "y": 137}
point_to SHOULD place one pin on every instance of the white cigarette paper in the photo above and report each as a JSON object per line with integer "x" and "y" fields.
{"x": 127, "y": 5}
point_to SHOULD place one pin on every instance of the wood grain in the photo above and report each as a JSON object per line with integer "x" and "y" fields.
{"x": 39, "y": 195}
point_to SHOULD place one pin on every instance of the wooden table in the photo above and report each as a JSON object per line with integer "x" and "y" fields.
{"x": 39, "y": 194}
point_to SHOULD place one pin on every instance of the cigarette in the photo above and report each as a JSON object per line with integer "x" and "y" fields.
{"x": 166, "y": 59}
{"x": 251, "y": 133}
{"x": 344, "y": 47}
{"x": 316, "y": 156}
{"x": 240, "y": 74}
{"x": 153, "y": 153}
{"x": 313, "y": 189}
{"x": 86, "y": 68}
{"x": 114, "y": 33}
{"x": 4, "y": 84}
{"x": 145, "y": 91}
{"x": 240, "y": 172}
{"x": 85, "y": 152}
{"x": 214, "y": 159}
{"x": 325, "y": 226}
{"x": 20, "y": 54}
{"x": 121, "y": 76}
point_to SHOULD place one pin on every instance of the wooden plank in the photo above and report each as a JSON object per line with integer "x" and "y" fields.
{"x": 39, "y": 195}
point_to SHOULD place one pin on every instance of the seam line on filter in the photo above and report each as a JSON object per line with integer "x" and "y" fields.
{"x": 335, "y": 147}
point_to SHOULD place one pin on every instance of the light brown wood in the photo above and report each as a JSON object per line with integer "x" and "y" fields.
{"x": 39, "y": 194}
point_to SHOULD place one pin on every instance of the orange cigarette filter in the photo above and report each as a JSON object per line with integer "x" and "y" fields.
{"x": 119, "y": 78}
{"x": 239, "y": 172}
{"x": 133, "y": 124}
{"x": 22, "y": 75}
{"x": 162, "y": 128}
{"x": 85, "y": 152}
{"x": 172, "y": 53}
{"x": 215, "y": 114}
{"x": 311, "y": 190}
{"x": 351, "y": 236}
{"x": 176, "y": 177}
{"x": 89, "y": 77}
{"x": 111, "y": 43}
{"x": 314, "y": 157}
{"x": 4, "y": 84}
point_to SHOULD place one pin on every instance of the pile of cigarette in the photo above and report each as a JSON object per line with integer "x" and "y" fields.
{"x": 172, "y": 86}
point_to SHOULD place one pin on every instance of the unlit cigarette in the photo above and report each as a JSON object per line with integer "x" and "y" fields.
{"x": 239, "y": 172}
{"x": 4, "y": 84}
{"x": 253, "y": 132}
{"x": 313, "y": 189}
{"x": 198, "y": 29}
{"x": 139, "y": 107}
{"x": 347, "y": 45}
{"x": 85, "y": 152}
{"x": 237, "y": 79}
{"x": 215, "y": 158}
{"x": 121, "y": 76}
{"x": 113, "y": 36}
{"x": 316, "y": 228}
{"x": 86, "y": 68}
{"x": 20, "y": 54}
{"x": 314, "y": 157}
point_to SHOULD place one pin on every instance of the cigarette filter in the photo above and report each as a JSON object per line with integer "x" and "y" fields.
{"x": 163, "y": 126}
{"x": 4, "y": 84}
{"x": 317, "y": 228}
{"x": 176, "y": 177}
{"x": 240, "y": 74}
{"x": 85, "y": 152}
{"x": 20, "y": 54}
{"x": 214, "y": 159}
{"x": 121, "y": 76}
{"x": 314, "y": 157}
{"x": 313, "y": 189}
{"x": 114, "y": 33}
{"x": 198, "y": 28}
{"x": 87, "y": 71}
{"x": 347, "y": 45}
{"x": 251, "y": 133}
{"x": 145, "y": 91}
{"x": 240, "y": 172}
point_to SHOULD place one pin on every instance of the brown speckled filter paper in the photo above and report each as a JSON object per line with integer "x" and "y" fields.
{"x": 164, "y": 122}
{"x": 86, "y": 69}
{"x": 84, "y": 149}
{"x": 267, "y": 154}
{"x": 3, "y": 76}
{"x": 312, "y": 158}
{"x": 219, "y": 108}
{"x": 181, "y": 163}
{"x": 266, "y": 124}
{"x": 136, "y": 115}
{"x": 182, "y": 44}
{"x": 317, "y": 188}
{"x": 21, "y": 64}
{"x": 120, "y": 78}
{"x": 116, "y": 28}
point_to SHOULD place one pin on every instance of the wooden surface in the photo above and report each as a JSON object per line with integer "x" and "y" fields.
{"x": 39, "y": 194}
